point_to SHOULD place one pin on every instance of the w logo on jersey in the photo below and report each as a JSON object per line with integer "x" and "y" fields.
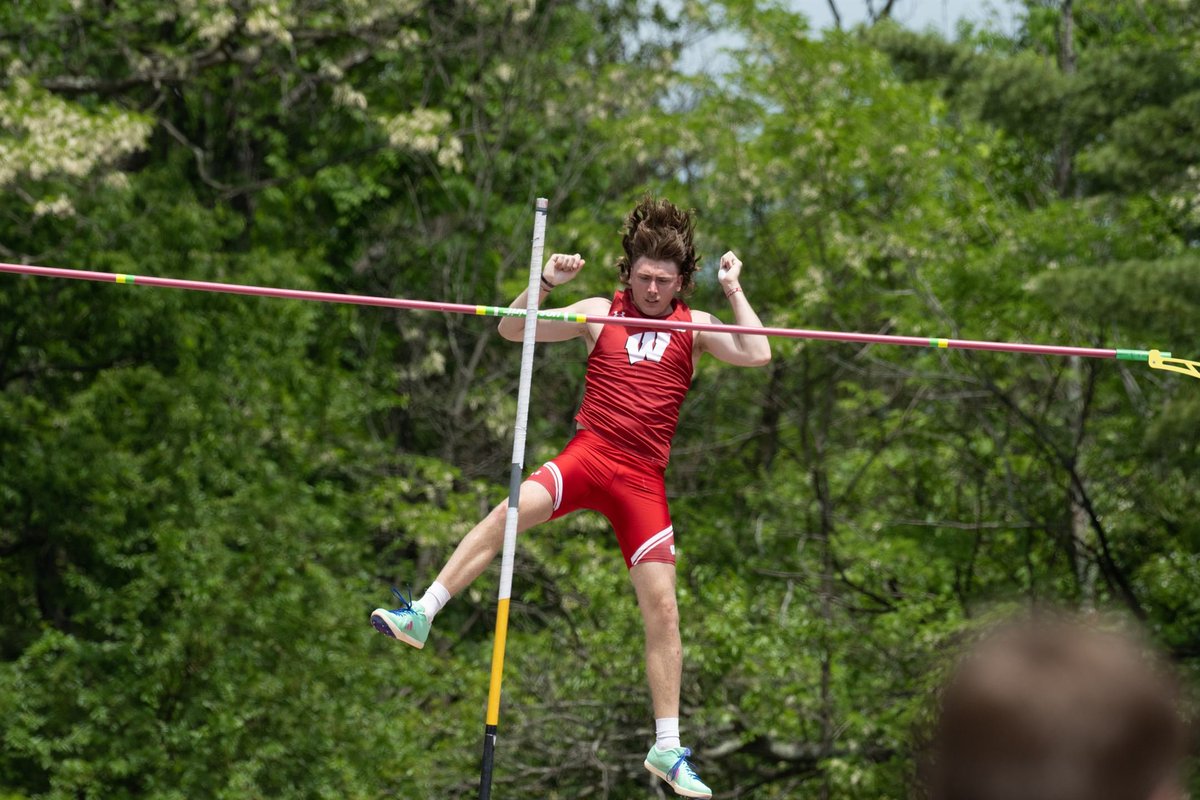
{"x": 648, "y": 346}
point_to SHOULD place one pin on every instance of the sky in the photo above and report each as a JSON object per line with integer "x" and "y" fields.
{"x": 941, "y": 15}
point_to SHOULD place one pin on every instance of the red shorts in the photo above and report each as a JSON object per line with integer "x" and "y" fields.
{"x": 591, "y": 473}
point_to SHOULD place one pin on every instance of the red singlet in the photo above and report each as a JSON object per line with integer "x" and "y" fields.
{"x": 636, "y": 381}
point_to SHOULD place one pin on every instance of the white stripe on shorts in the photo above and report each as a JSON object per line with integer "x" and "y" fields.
{"x": 651, "y": 543}
{"x": 558, "y": 486}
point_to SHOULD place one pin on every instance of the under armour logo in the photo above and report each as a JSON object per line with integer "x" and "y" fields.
{"x": 648, "y": 346}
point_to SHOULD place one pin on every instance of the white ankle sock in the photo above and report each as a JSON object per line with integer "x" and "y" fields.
{"x": 434, "y": 599}
{"x": 667, "y": 730}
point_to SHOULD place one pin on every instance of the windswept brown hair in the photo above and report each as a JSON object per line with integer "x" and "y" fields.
{"x": 659, "y": 230}
{"x": 1055, "y": 707}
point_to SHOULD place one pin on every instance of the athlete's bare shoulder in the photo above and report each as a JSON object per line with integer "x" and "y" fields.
{"x": 592, "y": 307}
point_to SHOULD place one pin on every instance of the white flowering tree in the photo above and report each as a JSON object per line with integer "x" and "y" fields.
{"x": 46, "y": 142}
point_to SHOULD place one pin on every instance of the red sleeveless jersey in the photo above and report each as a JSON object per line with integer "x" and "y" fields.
{"x": 636, "y": 381}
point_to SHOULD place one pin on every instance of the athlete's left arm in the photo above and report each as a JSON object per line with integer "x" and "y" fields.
{"x": 739, "y": 349}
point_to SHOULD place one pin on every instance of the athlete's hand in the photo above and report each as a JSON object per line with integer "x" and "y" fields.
{"x": 562, "y": 268}
{"x": 730, "y": 269}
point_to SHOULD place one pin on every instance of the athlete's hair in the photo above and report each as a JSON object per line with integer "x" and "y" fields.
{"x": 659, "y": 230}
{"x": 1057, "y": 708}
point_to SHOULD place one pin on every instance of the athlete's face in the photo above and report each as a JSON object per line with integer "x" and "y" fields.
{"x": 654, "y": 285}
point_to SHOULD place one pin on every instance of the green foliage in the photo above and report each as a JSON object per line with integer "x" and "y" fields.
{"x": 203, "y": 496}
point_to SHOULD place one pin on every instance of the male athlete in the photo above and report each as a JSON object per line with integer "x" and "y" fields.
{"x": 635, "y": 383}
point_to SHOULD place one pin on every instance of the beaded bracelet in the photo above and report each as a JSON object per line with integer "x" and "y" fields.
{"x": 733, "y": 291}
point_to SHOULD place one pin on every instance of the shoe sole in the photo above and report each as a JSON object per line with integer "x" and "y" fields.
{"x": 383, "y": 624}
{"x": 677, "y": 789}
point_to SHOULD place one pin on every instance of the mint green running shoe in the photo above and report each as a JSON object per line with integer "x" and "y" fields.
{"x": 407, "y": 623}
{"x": 673, "y": 767}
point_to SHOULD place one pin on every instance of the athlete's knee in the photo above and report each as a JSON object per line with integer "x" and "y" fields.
{"x": 498, "y": 514}
{"x": 662, "y": 608}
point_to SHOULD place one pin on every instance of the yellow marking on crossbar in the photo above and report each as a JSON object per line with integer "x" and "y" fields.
{"x": 124, "y": 279}
{"x": 943, "y": 343}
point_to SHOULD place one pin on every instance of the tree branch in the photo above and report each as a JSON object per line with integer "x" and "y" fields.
{"x": 837, "y": 18}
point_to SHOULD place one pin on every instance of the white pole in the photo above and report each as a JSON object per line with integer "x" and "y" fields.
{"x": 514, "y": 495}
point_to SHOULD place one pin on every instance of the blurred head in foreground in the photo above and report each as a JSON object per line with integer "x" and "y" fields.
{"x": 1056, "y": 709}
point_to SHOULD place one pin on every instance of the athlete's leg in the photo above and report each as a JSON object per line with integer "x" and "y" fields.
{"x": 654, "y": 583}
{"x": 636, "y": 505}
{"x": 410, "y": 623}
{"x": 557, "y": 488}
{"x": 479, "y": 547}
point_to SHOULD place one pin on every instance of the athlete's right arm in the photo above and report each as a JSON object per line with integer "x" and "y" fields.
{"x": 559, "y": 269}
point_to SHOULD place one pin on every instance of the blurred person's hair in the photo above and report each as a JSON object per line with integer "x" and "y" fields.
{"x": 1052, "y": 707}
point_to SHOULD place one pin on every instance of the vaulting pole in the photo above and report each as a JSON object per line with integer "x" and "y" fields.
{"x": 514, "y": 495}
{"x": 1156, "y": 359}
